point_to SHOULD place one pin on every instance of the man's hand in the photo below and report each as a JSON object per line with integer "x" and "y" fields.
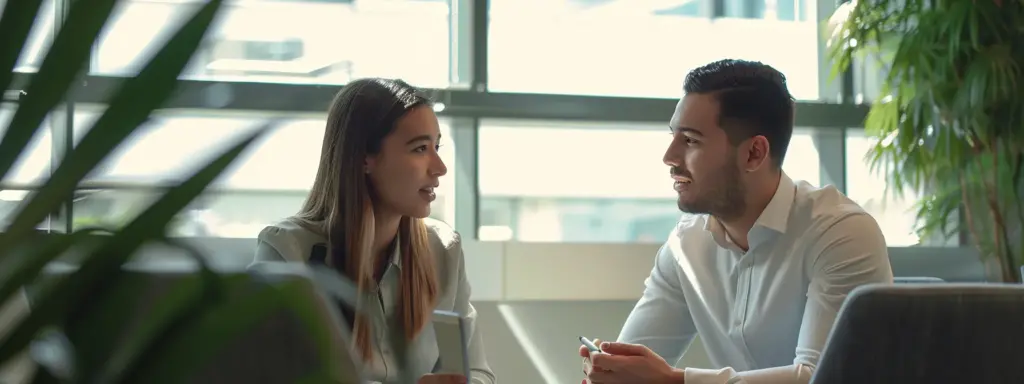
{"x": 442, "y": 378}
{"x": 585, "y": 354}
{"x": 621, "y": 363}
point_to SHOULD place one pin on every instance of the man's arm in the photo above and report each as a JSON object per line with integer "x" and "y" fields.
{"x": 851, "y": 253}
{"x": 661, "y": 320}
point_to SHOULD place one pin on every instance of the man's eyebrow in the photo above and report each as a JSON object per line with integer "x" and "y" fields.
{"x": 685, "y": 129}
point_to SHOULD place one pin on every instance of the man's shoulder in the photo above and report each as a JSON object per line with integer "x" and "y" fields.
{"x": 690, "y": 225}
{"x": 689, "y": 234}
{"x": 816, "y": 209}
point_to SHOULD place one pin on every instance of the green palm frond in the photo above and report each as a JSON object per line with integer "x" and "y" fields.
{"x": 949, "y": 124}
{"x": 75, "y": 314}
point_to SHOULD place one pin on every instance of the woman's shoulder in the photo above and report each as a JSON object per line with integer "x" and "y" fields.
{"x": 290, "y": 237}
{"x": 442, "y": 235}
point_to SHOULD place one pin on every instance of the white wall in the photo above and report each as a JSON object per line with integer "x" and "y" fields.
{"x": 534, "y": 299}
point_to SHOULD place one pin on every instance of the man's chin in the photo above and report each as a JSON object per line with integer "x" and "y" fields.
{"x": 690, "y": 207}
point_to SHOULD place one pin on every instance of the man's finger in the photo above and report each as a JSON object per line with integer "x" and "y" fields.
{"x": 624, "y": 349}
{"x": 599, "y": 376}
{"x": 606, "y": 362}
{"x": 584, "y": 352}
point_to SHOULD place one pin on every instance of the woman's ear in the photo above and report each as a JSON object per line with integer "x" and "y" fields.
{"x": 368, "y": 164}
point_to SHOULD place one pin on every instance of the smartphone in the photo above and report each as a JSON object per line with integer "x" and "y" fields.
{"x": 452, "y": 334}
{"x": 589, "y": 344}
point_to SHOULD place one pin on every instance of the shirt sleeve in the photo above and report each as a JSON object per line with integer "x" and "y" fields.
{"x": 480, "y": 371}
{"x": 276, "y": 244}
{"x": 850, "y": 253}
{"x": 661, "y": 320}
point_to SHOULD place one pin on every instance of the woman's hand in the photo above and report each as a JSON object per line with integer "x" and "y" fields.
{"x": 442, "y": 378}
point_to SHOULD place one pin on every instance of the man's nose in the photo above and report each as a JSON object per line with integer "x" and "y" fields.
{"x": 672, "y": 157}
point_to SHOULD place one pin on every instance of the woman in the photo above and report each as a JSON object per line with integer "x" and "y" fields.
{"x": 366, "y": 216}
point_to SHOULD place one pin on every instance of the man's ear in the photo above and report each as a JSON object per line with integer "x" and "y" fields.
{"x": 757, "y": 154}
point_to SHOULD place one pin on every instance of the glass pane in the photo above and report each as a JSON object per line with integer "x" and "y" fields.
{"x": 29, "y": 171}
{"x": 897, "y": 217}
{"x": 587, "y": 182}
{"x": 304, "y": 41}
{"x": 39, "y": 38}
{"x": 267, "y": 183}
{"x": 34, "y": 166}
{"x": 645, "y": 48}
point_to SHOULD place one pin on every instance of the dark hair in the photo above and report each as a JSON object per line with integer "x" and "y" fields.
{"x": 340, "y": 203}
{"x": 753, "y": 100}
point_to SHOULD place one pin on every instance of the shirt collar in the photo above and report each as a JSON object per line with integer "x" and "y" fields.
{"x": 774, "y": 217}
{"x": 396, "y": 253}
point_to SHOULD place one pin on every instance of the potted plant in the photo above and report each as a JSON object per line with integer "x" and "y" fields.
{"x": 949, "y": 124}
{"x": 173, "y": 337}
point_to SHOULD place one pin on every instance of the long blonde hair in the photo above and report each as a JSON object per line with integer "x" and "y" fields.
{"x": 340, "y": 204}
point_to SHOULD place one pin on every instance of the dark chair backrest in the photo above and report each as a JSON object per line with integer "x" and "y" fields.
{"x": 927, "y": 333}
{"x": 918, "y": 280}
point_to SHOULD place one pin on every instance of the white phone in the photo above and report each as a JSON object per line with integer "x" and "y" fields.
{"x": 452, "y": 336}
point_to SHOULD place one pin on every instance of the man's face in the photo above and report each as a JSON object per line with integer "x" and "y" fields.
{"x": 704, "y": 165}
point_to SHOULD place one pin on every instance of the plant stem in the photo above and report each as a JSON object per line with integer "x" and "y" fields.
{"x": 968, "y": 214}
{"x": 1000, "y": 234}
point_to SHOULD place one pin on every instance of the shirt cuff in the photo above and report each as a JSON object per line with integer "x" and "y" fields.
{"x": 476, "y": 378}
{"x": 711, "y": 376}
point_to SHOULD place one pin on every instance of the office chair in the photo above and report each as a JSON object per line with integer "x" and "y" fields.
{"x": 927, "y": 333}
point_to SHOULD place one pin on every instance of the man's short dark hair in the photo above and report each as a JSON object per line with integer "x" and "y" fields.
{"x": 753, "y": 100}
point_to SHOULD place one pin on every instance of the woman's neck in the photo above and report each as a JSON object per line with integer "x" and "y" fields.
{"x": 384, "y": 232}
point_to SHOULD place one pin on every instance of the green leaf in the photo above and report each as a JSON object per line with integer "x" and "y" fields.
{"x": 63, "y": 63}
{"x": 131, "y": 106}
{"x": 65, "y": 296}
{"x": 211, "y": 332}
{"x": 19, "y": 270}
{"x": 955, "y": 121}
{"x": 165, "y": 319}
{"x": 15, "y": 25}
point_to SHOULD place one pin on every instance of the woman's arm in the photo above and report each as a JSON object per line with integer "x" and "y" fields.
{"x": 480, "y": 371}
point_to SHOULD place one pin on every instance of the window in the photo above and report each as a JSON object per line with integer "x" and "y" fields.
{"x": 307, "y": 41}
{"x": 266, "y": 184}
{"x": 587, "y": 182}
{"x": 28, "y": 171}
{"x": 630, "y": 48}
{"x": 897, "y": 217}
{"x": 39, "y": 38}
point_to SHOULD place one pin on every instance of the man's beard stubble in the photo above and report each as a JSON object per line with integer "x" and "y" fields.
{"x": 724, "y": 199}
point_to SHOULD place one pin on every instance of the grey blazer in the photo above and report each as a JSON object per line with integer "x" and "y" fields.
{"x": 288, "y": 241}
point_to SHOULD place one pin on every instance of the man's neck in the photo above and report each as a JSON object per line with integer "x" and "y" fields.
{"x": 758, "y": 197}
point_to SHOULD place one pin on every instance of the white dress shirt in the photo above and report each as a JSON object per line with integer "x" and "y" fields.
{"x": 763, "y": 314}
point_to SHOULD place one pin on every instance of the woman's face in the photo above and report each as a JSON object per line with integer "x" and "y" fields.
{"x": 405, "y": 172}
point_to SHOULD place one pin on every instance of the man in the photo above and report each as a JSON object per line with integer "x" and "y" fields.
{"x": 761, "y": 265}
